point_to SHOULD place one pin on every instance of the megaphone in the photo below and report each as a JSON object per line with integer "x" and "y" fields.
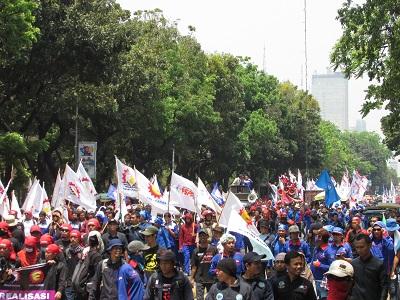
{"x": 252, "y": 197}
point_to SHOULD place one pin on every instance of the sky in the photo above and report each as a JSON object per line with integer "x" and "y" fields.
{"x": 247, "y": 28}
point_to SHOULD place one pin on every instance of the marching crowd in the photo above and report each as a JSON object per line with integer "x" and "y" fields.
{"x": 320, "y": 253}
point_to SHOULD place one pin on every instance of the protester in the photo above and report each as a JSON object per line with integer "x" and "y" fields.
{"x": 57, "y": 274}
{"x": 370, "y": 279}
{"x": 29, "y": 255}
{"x": 261, "y": 288}
{"x": 187, "y": 240}
{"x": 201, "y": 262}
{"x": 339, "y": 280}
{"x": 229, "y": 285}
{"x": 150, "y": 255}
{"x": 114, "y": 278}
{"x": 136, "y": 260}
{"x": 229, "y": 251}
{"x": 168, "y": 282}
{"x": 292, "y": 285}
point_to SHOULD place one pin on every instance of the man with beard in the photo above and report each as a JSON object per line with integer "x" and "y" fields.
{"x": 261, "y": 288}
{"x": 292, "y": 285}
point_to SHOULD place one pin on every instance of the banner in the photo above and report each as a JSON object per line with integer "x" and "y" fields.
{"x": 87, "y": 156}
{"x": 28, "y": 284}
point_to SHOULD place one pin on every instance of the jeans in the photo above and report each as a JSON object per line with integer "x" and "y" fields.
{"x": 69, "y": 293}
{"x": 187, "y": 254}
{"x": 200, "y": 287}
{"x": 322, "y": 293}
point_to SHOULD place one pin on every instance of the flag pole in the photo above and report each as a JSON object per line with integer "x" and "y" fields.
{"x": 172, "y": 171}
{"x": 227, "y": 196}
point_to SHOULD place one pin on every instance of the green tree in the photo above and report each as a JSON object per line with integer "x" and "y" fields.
{"x": 370, "y": 46}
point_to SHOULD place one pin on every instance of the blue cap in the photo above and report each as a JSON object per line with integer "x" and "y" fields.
{"x": 337, "y": 230}
{"x": 328, "y": 228}
{"x": 391, "y": 225}
{"x": 282, "y": 227}
{"x": 159, "y": 221}
{"x": 380, "y": 224}
{"x": 113, "y": 243}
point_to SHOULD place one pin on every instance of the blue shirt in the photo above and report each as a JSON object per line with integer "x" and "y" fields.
{"x": 322, "y": 255}
{"x": 129, "y": 284}
{"x": 383, "y": 250}
{"x": 236, "y": 256}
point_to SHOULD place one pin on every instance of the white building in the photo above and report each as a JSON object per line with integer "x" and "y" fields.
{"x": 331, "y": 92}
{"x": 394, "y": 164}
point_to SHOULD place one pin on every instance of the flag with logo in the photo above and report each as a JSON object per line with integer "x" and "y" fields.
{"x": 126, "y": 180}
{"x": 204, "y": 198}
{"x": 46, "y": 207}
{"x": 183, "y": 193}
{"x": 149, "y": 193}
{"x": 75, "y": 191}
{"x": 236, "y": 219}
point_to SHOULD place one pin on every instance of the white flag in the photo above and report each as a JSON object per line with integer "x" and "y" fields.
{"x": 33, "y": 201}
{"x": 46, "y": 202}
{"x": 149, "y": 193}
{"x": 237, "y": 224}
{"x": 75, "y": 191}
{"x": 15, "y": 205}
{"x": 234, "y": 206}
{"x": 58, "y": 192}
{"x": 183, "y": 193}
{"x": 126, "y": 180}
{"x": 204, "y": 198}
{"x": 4, "y": 201}
{"x": 86, "y": 180}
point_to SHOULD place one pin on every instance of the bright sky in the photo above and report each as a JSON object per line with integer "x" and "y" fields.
{"x": 244, "y": 28}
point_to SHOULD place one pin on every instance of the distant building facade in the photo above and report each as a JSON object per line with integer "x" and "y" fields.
{"x": 394, "y": 164}
{"x": 361, "y": 125}
{"x": 331, "y": 92}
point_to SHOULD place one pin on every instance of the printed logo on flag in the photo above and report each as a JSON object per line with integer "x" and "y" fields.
{"x": 245, "y": 216}
{"x": 185, "y": 190}
{"x": 153, "y": 190}
{"x": 74, "y": 189}
{"x": 36, "y": 276}
{"x": 128, "y": 180}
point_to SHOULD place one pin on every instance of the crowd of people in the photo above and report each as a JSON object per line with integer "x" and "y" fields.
{"x": 333, "y": 253}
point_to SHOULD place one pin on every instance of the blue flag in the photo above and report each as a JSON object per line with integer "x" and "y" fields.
{"x": 325, "y": 182}
{"x": 112, "y": 192}
{"x": 216, "y": 194}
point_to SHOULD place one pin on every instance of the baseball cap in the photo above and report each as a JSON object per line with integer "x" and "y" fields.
{"x": 114, "y": 243}
{"x": 280, "y": 256}
{"x": 113, "y": 221}
{"x": 252, "y": 257}
{"x": 203, "y": 231}
{"x": 150, "y": 230}
{"x": 166, "y": 255}
{"x": 341, "y": 268}
{"x": 218, "y": 229}
{"x": 136, "y": 246}
{"x": 337, "y": 230}
{"x": 294, "y": 228}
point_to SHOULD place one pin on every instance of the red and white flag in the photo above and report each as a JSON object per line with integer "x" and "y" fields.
{"x": 183, "y": 193}
{"x": 86, "y": 180}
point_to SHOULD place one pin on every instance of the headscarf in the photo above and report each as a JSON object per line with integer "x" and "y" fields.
{"x": 100, "y": 246}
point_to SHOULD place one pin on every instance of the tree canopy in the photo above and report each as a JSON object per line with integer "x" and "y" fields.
{"x": 142, "y": 89}
{"x": 370, "y": 46}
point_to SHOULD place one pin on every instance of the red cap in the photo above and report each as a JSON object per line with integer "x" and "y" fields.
{"x": 53, "y": 249}
{"x": 30, "y": 241}
{"x": 46, "y": 240}
{"x": 7, "y": 243}
{"x": 35, "y": 228}
{"x": 66, "y": 227}
{"x": 28, "y": 212}
{"x": 94, "y": 222}
{"x": 13, "y": 213}
{"x": 75, "y": 233}
{"x": 4, "y": 226}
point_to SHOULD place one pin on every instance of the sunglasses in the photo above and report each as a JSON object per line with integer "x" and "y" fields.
{"x": 376, "y": 229}
{"x": 64, "y": 230}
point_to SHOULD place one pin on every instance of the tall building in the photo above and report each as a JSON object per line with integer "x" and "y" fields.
{"x": 331, "y": 92}
{"x": 361, "y": 125}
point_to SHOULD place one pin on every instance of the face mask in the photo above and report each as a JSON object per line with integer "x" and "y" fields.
{"x": 93, "y": 242}
{"x": 29, "y": 250}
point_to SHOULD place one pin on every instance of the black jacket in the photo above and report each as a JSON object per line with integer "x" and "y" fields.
{"x": 177, "y": 287}
{"x": 261, "y": 289}
{"x": 56, "y": 277}
{"x": 103, "y": 284}
{"x": 370, "y": 279}
{"x": 230, "y": 292}
{"x": 298, "y": 289}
